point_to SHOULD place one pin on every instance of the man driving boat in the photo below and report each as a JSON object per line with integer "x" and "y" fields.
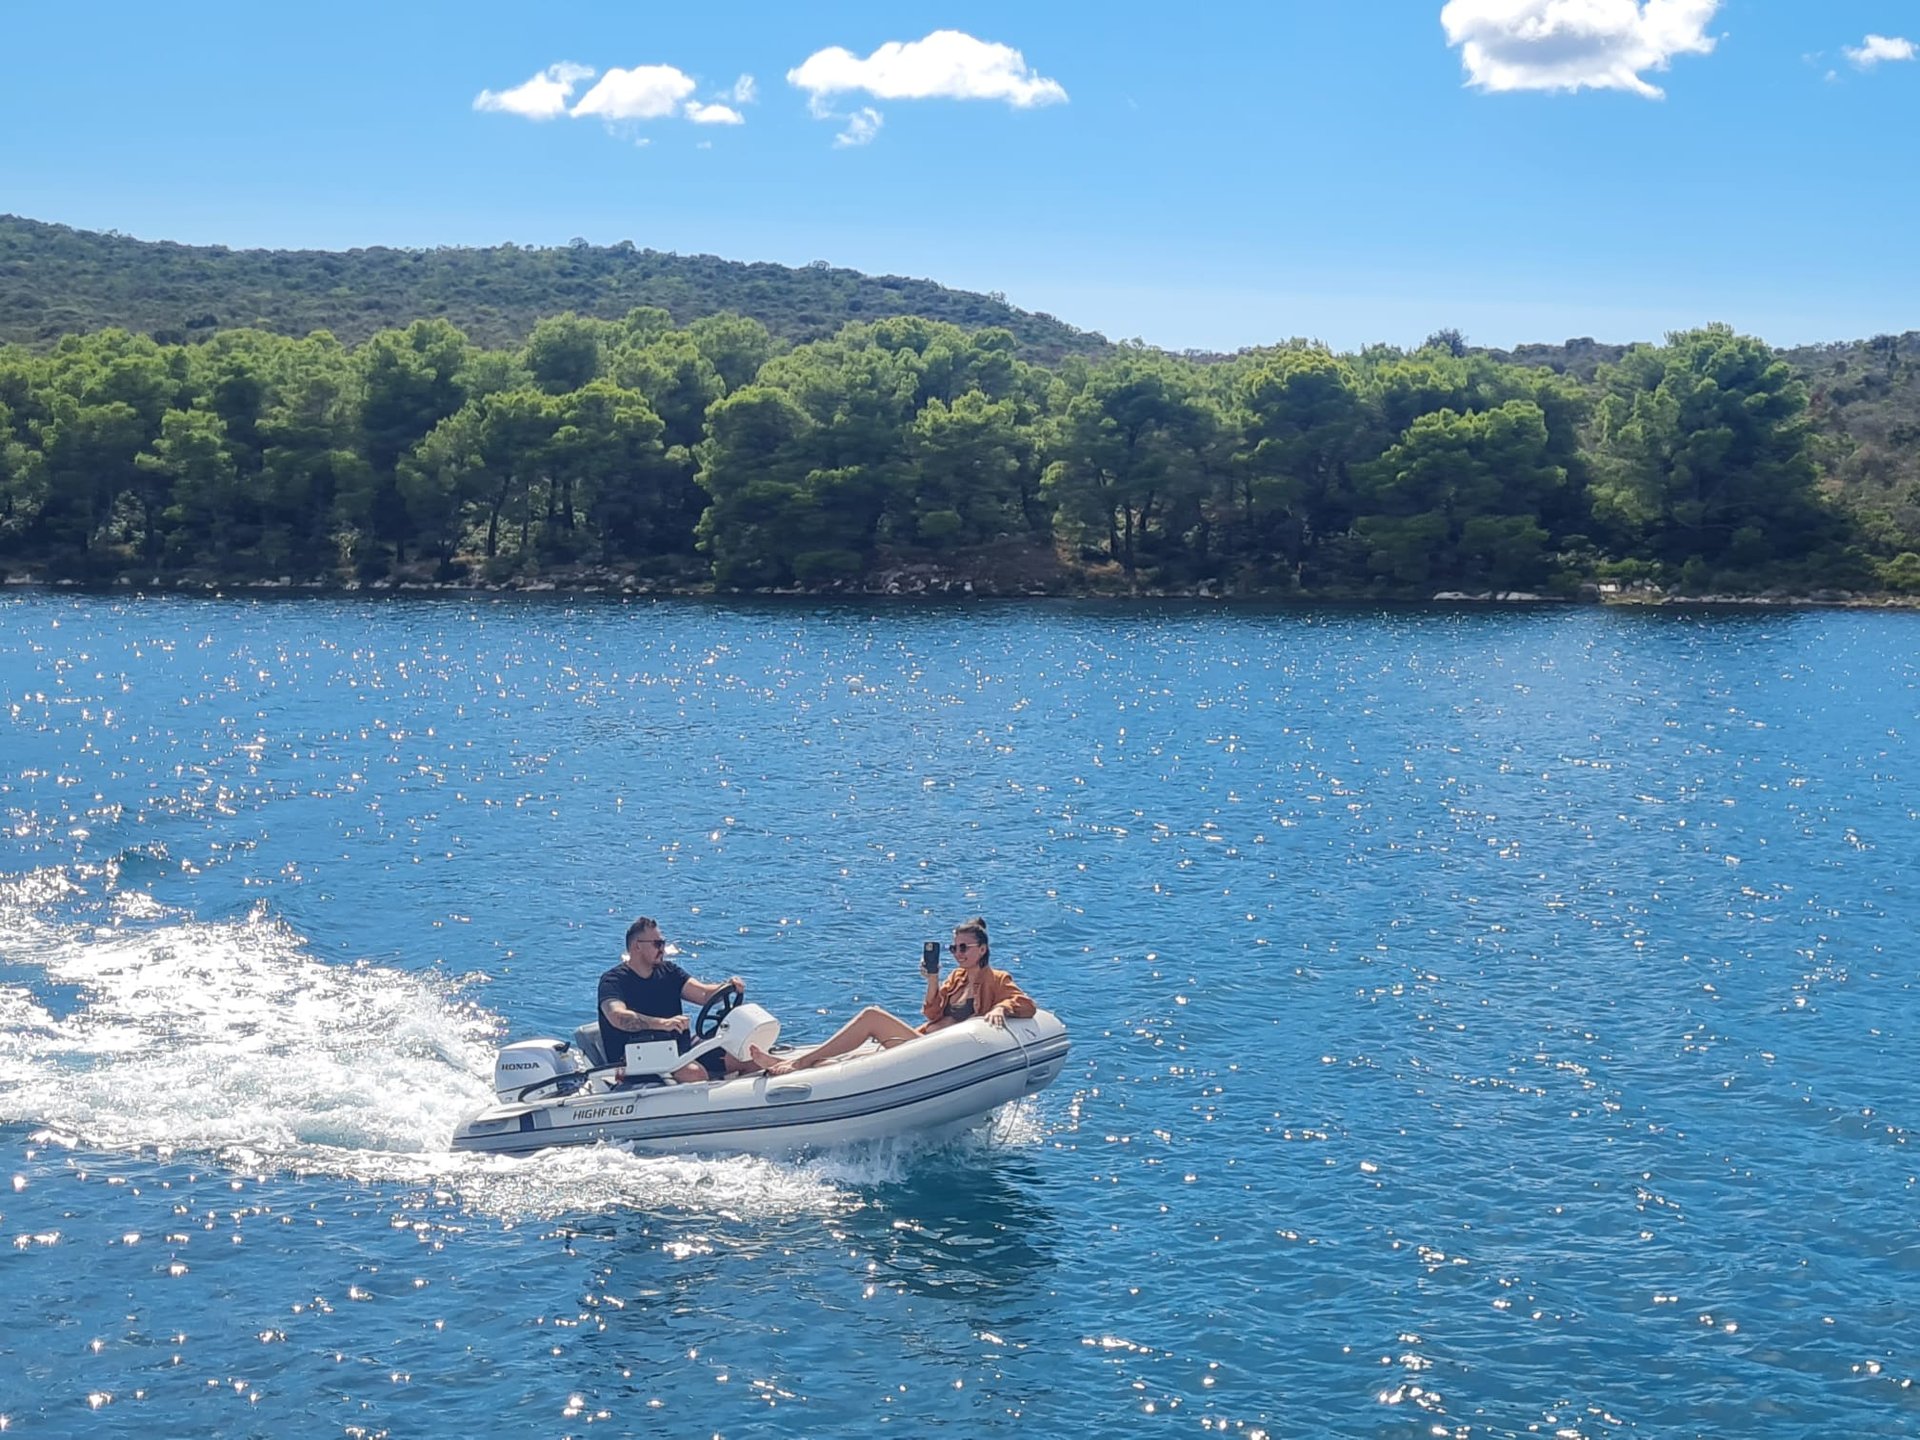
{"x": 640, "y": 999}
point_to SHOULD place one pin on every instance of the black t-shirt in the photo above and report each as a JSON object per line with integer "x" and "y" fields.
{"x": 655, "y": 994}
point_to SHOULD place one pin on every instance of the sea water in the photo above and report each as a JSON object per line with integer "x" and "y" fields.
{"x": 1486, "y": 1023}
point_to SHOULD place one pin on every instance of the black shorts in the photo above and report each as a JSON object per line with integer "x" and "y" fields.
{"x": 715, "y": 1060}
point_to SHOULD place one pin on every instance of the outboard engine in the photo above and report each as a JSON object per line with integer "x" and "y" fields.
{"x": 534, "y": 1062}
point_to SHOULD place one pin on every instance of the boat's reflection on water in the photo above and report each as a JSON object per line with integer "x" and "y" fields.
{"x": 966, "y": 1224}
{"x": 939, "y": 1260}
{"x": 952, "y": 1223}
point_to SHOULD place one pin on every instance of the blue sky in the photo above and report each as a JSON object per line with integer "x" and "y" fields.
{"x": 1212, "y": 175}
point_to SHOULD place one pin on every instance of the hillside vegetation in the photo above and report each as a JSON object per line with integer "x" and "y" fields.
{"x": 57, "y": 281}
{"x": 716, "y": 447}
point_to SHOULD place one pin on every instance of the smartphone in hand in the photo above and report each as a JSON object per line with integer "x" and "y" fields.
{"x": 930, "y": 957}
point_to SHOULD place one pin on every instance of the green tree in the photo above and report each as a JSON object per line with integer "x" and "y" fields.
{"x": 754, "y": 463}
{"x": 1902, "y": 573}
{"x": 232, "y": 375}
{"x": 861, "y": 391}
{"x": 112, "y": 367}
{"x": 22, "y": 485}
{"x": 564, "y": 353}
{"x": 641, "y": 324}
{"x": 1403, "y": 388}
{"x": 409, "y": 383}
{"x": 1300, "y": 415}
{"x": 1700, "y": 440}
{"x": 446, "y": 472}
{"x": 610, "y": 464}
{"x": 488, "y": 372}
{"x": 90, "y": 454}
{"x": 485, "y": 460}
{"x": 735, "y": 346}
{"x": 677, "y": 380}
{"x": 968, "y": 462}
{"x": 192, "y": 467}
{"x": 100, "y": 402}
{"x": 1458, "y": 499}
{"x": 1126, "y": 452}
{"x": 310, "y": 462}
{"x": 23, "y": 390}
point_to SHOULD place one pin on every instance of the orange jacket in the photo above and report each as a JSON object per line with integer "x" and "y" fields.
{"x": 998, "y": 991}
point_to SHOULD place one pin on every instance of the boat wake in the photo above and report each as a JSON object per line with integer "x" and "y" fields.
{"x": 131, "y": 1028}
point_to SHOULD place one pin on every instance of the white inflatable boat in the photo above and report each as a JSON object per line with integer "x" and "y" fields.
{"x": 551, "y": 1093}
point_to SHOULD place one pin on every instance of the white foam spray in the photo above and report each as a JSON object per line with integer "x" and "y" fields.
{"x": 230, "y": 1039}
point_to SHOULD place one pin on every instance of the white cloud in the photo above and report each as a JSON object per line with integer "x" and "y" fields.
{"x": 744, "y": 91}
{"x": 946, "y": 65}
{"x": 1575, "y": 44}
{"x": 544, "y": 97}
{"x": 1875, "y": 48}
{"x": 646, "y": 92}
{"x": 862, "y": 126}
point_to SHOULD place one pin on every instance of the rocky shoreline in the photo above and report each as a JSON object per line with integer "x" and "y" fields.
{"x": 930, "y": 583}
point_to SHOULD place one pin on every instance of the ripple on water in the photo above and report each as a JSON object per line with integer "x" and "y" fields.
{"x": 1484, "y": 1023}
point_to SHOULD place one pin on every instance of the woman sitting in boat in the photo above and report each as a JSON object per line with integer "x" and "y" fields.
{"x": 974, "y": 989}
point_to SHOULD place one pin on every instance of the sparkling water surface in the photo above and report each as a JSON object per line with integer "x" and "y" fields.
{"x": 1486, "y": 1023}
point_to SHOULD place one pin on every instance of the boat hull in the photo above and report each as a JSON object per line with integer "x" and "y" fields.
{"x": 930, "y": 1088}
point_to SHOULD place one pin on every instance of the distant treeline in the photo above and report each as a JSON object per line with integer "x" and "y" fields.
{"x": 713, "y": 448}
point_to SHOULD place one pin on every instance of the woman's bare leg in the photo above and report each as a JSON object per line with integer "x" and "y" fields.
{"x": 872, "y": 1023}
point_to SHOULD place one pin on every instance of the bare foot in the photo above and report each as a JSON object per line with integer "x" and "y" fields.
{"x": 767, "y": 1063}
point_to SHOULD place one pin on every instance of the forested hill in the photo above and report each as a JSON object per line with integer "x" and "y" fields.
{"x": 57, "y": 281}
{"x": 509, "y": 414}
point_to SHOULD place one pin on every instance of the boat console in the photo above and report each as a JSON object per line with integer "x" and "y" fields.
{"x": 529, "y": 1069}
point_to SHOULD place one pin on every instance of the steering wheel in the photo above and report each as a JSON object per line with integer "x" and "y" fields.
{"x": 720, "y": 1005}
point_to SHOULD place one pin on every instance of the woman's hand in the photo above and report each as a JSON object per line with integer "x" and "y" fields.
{"x": 997, "y": 1019}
